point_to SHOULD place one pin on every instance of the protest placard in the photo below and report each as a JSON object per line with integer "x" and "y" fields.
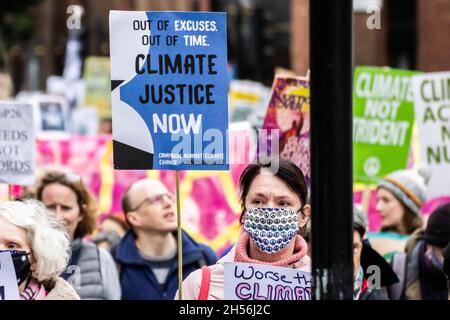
{"x": 85, "y": 121}
{"x": 72, "y": 90}
{"x": 8, "y": 279}
{"x": 383, "y": 117}
{"x": 288, "y": 112}
{"x": 247, "y": 101}
{"x": 17, "y": 144}
{"x": 245, "y": 281}
{"x": 97, "y": 85}
{"x": 432, "y": 106}
{"x": 51, "y": 114}
{"x": 169, "y": 90}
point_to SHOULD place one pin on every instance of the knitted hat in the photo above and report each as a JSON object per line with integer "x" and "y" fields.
{"x": 437, "y": 232}
{"x": 360, "y": 220}
{"x": 409, "y": 186}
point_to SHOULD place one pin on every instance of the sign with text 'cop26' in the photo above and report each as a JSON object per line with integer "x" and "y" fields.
{"x": 246, "y": 281}
{"x": 169, "y": 90}
{"x": 383, "y": 117}
{"x": 17, "y": 143}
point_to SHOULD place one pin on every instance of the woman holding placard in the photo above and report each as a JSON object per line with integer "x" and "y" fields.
{"x": 273, "y": 200}
{"x": 39, "y": 248}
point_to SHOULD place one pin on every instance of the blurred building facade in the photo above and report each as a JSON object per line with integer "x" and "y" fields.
{"x": 263, "y": 35}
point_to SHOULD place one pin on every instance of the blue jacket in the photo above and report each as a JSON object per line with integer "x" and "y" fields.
{"x": 137, "y": 279}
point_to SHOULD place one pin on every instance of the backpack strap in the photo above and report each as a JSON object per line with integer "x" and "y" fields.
{"x": 204, "y": 287}
{"x": 399, "y": 266}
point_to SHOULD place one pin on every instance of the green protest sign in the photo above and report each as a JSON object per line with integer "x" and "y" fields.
{"x": 383, "y": 117}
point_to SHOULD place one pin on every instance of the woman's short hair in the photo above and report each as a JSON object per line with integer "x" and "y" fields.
{"x": 85, "y": 199}
{"x": 287, "y": 171}
{"x": 47, "y": 237}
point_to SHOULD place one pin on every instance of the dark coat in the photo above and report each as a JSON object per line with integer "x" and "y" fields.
{"x": 374, "y": 294}
{"x": 137, "y": 278}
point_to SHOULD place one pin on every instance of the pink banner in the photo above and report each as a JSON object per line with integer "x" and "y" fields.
{"x": 210, "y": 202}
{"x": 209, "y": 199}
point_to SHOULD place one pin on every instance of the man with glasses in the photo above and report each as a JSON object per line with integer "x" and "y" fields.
{"x": 147, "y": 256}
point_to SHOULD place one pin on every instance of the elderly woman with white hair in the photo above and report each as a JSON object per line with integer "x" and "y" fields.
{"x": 39, "y": 247}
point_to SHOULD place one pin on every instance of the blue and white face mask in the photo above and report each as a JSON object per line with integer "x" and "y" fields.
{"x": 271, "y": 229}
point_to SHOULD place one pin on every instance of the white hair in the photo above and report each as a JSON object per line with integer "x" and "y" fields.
{"x": 49, "y": 242}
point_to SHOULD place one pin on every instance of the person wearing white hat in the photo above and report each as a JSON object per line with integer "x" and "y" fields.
{"x": 400, "y": 196}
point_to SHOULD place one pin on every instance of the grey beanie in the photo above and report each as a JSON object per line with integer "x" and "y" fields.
{"x": 360, "y": 220}
{"x": 409, "y": 186}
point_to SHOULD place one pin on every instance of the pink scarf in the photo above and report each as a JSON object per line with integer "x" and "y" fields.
{"x": 241, "y": 255}
{"x": 34, "y": 291}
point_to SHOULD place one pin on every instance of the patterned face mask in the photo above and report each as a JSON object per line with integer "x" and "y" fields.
{"x": 271, "y": 229}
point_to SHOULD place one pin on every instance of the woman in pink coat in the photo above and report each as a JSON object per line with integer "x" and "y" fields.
{"x": 273, "y": 200}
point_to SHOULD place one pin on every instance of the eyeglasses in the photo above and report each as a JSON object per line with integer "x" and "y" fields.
{"x": 156, "y": 199}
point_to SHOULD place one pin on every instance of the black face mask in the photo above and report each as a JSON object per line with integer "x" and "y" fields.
{"x": 21, "y": 264}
